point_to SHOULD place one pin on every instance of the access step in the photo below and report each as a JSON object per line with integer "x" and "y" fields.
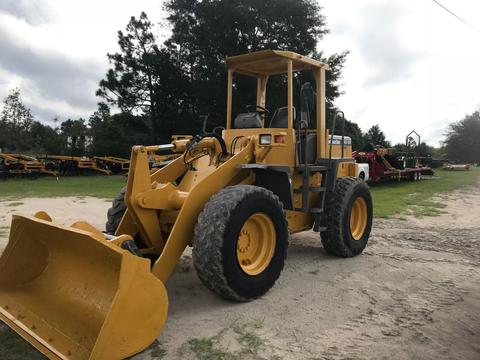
{"x": 310, "y": 210}
{"x": 313, "y": 168}
{"x": 311, "y": 189}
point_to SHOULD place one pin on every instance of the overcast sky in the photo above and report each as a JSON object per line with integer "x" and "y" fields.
{"x": 411, "y": 64}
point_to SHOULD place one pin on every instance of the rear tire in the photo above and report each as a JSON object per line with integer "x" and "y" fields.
{"x": 349, "y": 213}
{"x": 221, "y": 242}
{"x": 115, "y": 213}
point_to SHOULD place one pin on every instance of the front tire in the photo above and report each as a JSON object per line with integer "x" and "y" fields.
{"x": 349, "y": 213}
{"x": 240, "y": 242}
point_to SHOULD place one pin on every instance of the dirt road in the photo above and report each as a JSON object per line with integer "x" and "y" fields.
{"x": 413, "y": 294}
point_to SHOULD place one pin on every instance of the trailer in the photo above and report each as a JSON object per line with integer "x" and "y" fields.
{"x": 385, "y": 166}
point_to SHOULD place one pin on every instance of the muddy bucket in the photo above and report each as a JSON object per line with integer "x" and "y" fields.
{"x": 73, "y": 295}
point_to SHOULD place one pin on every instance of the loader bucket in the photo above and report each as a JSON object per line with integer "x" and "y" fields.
{"x": 74, "y": 295}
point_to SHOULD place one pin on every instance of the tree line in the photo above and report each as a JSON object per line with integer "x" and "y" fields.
{"x": 162, "y": 88}
{"x": 101, "y": 134}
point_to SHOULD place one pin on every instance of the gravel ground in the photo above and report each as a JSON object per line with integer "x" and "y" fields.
{"x": 413, "y": 294}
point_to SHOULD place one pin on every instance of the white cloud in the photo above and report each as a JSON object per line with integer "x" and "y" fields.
{"x": 33, "y": 12}
{"x": 56, "y": 50}
{"x": 412, "y": 65}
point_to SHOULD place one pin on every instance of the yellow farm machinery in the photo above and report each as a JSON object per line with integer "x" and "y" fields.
{"x": 74, "y": 165}
{"x": 20, "y": 165}
{"x": 234, "y": 195}
{"x": 114, "y": 164}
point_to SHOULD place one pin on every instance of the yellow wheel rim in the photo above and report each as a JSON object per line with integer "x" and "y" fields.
{"x": 358, "y": 218}
{"x": 256, "y": 244}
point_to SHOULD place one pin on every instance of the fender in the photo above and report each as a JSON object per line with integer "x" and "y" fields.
{"x": 276, "y": 178}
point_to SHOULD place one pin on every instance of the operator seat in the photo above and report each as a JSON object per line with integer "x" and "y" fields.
{"x": 248, "y": 121}
{"x": 280, "y": 121}
{"x": 280, "y": 118}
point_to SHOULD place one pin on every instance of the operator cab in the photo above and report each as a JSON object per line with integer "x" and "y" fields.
{"x": 295, "y": 119}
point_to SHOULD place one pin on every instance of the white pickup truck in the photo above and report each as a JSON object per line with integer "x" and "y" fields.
{"x": 363, "y": 171}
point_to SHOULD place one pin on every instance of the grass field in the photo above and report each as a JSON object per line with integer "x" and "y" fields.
{"x": 415, "y": 197}
{"x": 389, "y": 198}
{"x": 98, "y": 186}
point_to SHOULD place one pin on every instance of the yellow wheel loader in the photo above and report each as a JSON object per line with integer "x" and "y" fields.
{"x": 234, "y": 195}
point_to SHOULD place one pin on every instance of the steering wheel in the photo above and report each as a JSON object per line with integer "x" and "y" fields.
{"x": 263, "y": 110}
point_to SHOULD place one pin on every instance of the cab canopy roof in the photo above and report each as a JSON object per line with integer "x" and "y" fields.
{"x": 271, "y": 62}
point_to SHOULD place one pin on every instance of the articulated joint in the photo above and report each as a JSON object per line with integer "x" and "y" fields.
{"x": 162, "y": 197}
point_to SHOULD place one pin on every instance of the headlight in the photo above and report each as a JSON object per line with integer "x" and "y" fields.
{"x": 265, "y": 139}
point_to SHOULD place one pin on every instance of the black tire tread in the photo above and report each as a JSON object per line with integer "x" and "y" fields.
{"x": 333, "y": 237}
{"x": 208, "y": 237}
{"x": 115, "y": 213}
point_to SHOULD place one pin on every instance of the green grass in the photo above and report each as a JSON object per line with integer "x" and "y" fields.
{"x": 390, "y": 198}
{"x": 249, "y": 345}
{"x": 414, "y": 198}
{"x": 98, "y": 186}
{"x": 3, "y": 231}
{"x": 156, "y": 350}
{"x": 15, "y": 203}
